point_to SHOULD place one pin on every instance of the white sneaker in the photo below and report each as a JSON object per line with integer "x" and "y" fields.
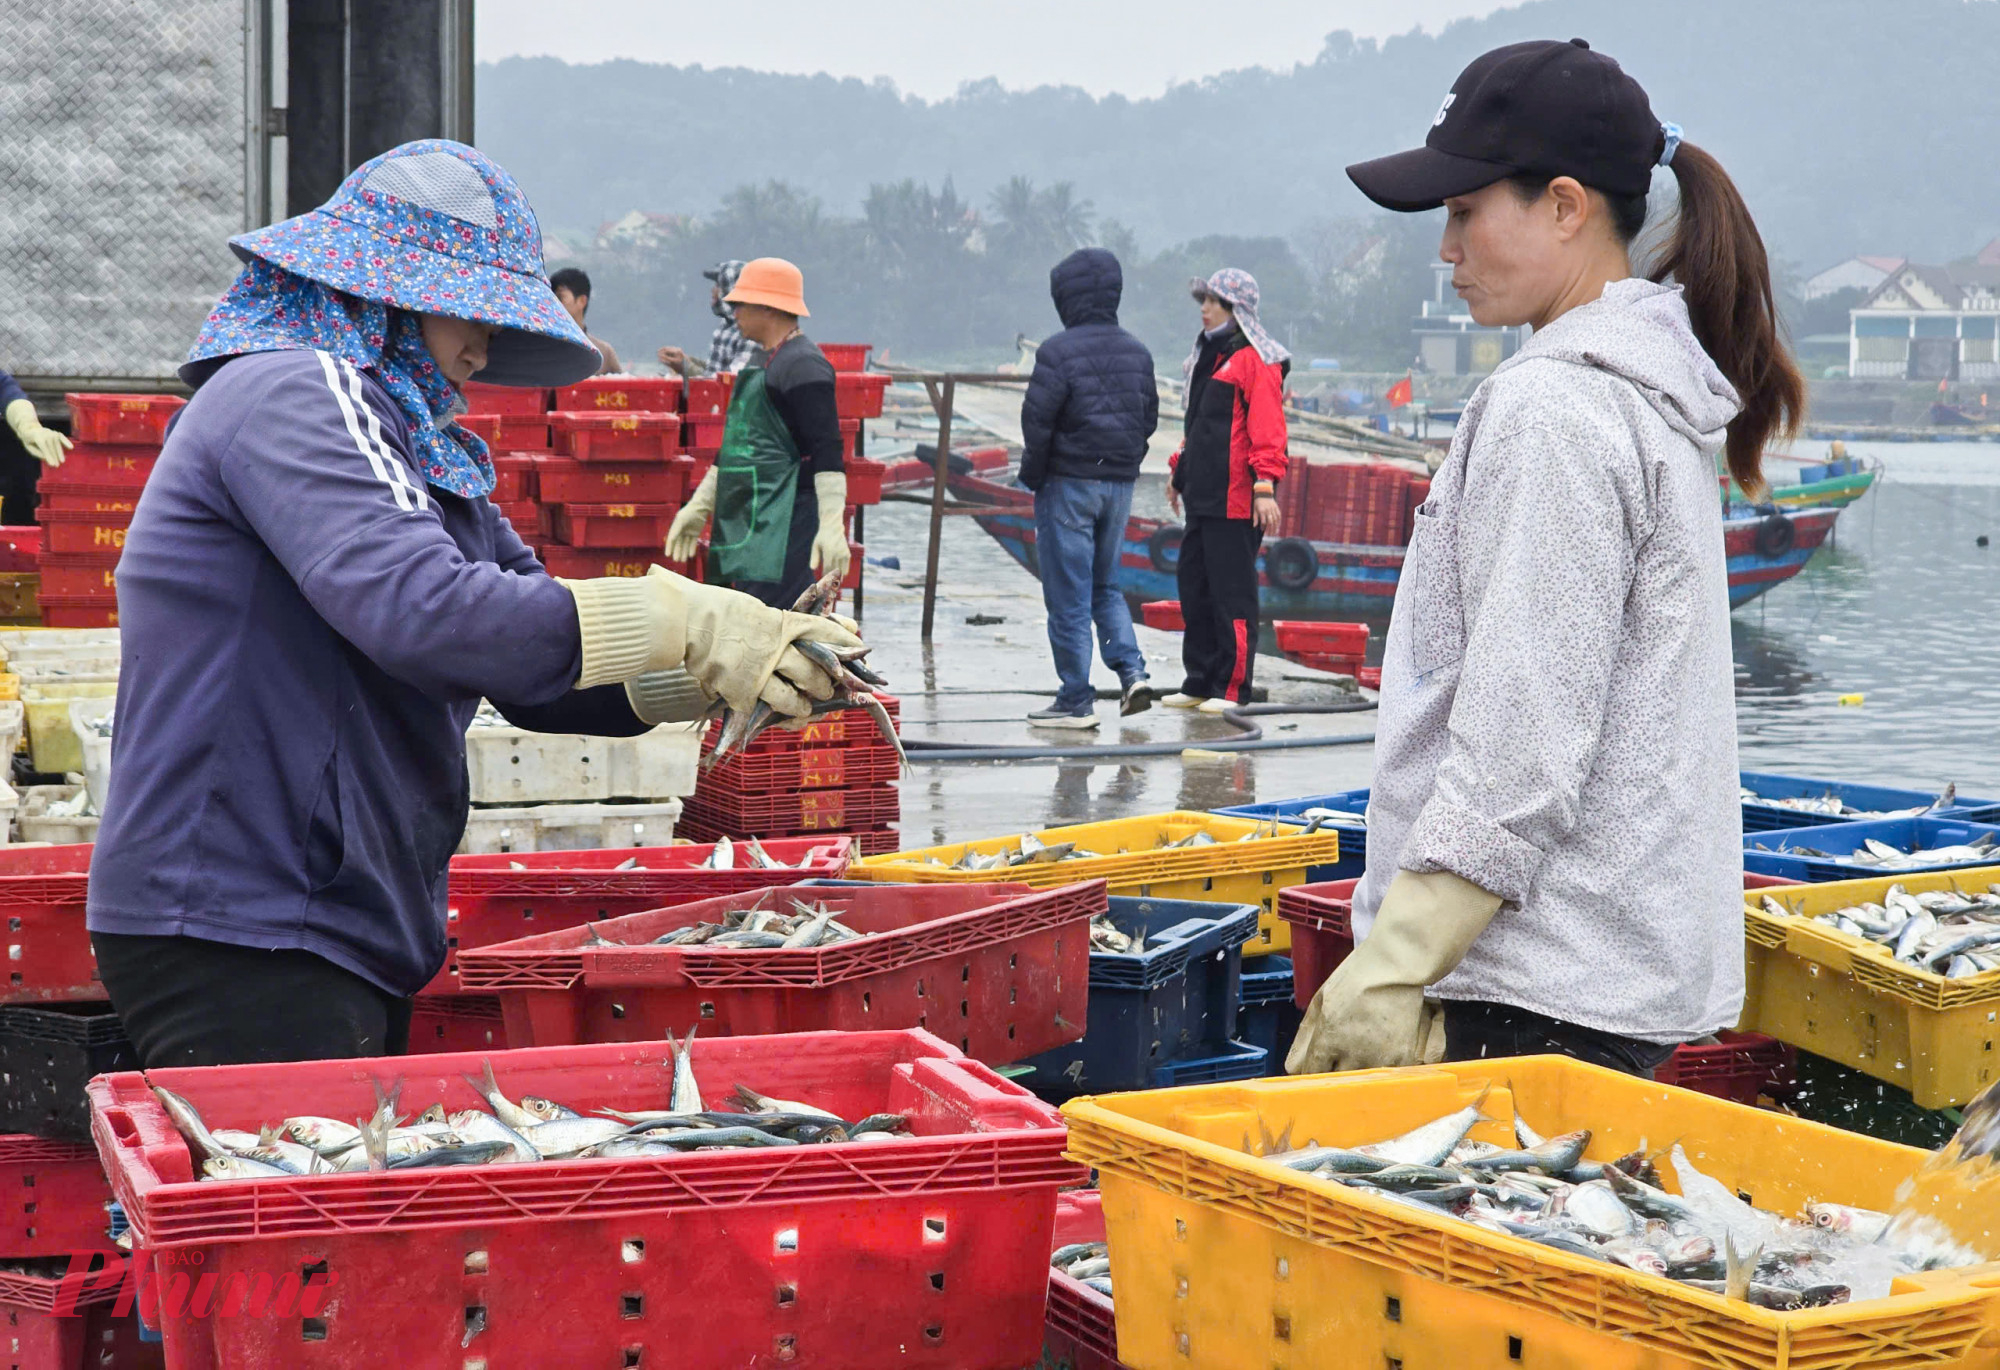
{"x": 1053, "y": 717}
{"x": 1177, "y": 700}
{"x": 1215, "y": 706}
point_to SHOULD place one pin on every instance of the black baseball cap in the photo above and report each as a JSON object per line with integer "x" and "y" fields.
{"x": 1541, "y": 108}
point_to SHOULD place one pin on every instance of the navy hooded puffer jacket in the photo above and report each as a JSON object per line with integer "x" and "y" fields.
{"x": 1092, "y": 401}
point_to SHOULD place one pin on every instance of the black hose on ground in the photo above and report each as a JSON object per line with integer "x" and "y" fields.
{"x": 1252, "y": 739}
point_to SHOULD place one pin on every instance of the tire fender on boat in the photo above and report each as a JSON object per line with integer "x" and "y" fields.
{"x": 1775, "y": 535}
{"x": 1291, "y": 563}
{"x": 1163, "y": 548}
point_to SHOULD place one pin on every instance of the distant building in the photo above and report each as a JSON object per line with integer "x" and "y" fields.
{"x": 1929, "y": 323}
{"x": 1449, "y": 343}
{"x": 640, "y": 229}
{"x": 1856, "y": 273}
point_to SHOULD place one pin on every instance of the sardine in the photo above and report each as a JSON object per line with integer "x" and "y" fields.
{"x": 686, "y": 1093}
{"x": 503, "y": 1108}
{"x": 1431, "y": 1143}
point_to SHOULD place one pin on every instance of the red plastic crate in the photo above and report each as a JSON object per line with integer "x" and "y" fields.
{"x": 505, "y": 399}
{"x": 79, "y": 611}
{"x": 652, "y": 394}
{"x": 707, "y": 395}
{"x": 67, "y": 574}
{"x": 1081, "y": 1332}
{"x": 65, "y": 530}
{"x": 94, "y": 466}
{"x": 52, "y": 1197}
{"x": 831, "y": 730}
{"x": 88, "y": 499}
{"x": 613, "y": 525}
{"x": 857, "y": 806}
{"x": 703, "y": 433}
{"x": 1001, "y": 969}
{"x": 530, "y": 519}
{"x": 124, "y": 420}
{"x": 513, "y": 478}
{"x": 850, "y": 432}
{"x": 509, "y": 432}
{"x": 615, "y": 436}
{"x": 72, "y": 1321}
{"x": 20, "y": 546}
{"x": 1323, "y": 639}
{"x": 454, "y": 1022}
{"x": 490, "y": 901}
{"x": 643, "y": 1260}
{"x": 1320, "y": 661}
{"x": 807, "y": 768}
{"x": 582, "y": 563}
{"x": 1740, "y": 1066}
{"x": 864, "y": 480}
{"x": 1164, "y": 614}
{"x": 564, "y": 480}
{"x": 1321, "y": 916}
{"x": 858, "y": 394}
{"x": 846, "y": 356}
{"x": 42, "y": 894}
{"x": 1369, "y": 677}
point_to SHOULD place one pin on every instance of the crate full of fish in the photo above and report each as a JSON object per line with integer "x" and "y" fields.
{"x": 1346, "y": 811}
{"x": 42, "y": 894}
{"x": 1898, "y": 978}
{"x": 1082, "y": 1333}
{"x": 1890, "y": 846}
{"x": 1163, "y": 984}
{"x": 1532, "y": 1211}
{"x": 833, "y": 1199}
{"x": 1795, "y": 801}
{"x": 1001, "y": 970}
{"x": 1179, "y": 855}
{"x": 499, "y": 896}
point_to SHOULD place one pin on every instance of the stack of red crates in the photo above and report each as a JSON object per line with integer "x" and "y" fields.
{"x": 86, "y": 503}
{"x": 835, "y": 775}
{"x": 1366, "y": 503}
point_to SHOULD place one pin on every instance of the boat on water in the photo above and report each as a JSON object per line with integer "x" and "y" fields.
{"x": 1801, "y": 483}
{"x": 1300, "y": 578}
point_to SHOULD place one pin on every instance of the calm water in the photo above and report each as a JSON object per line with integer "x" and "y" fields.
{"x": 1900, "y": 611}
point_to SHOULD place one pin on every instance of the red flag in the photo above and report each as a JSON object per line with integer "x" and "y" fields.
{"x": 1941, "y": 389}
{"x": 1400, "y": 394}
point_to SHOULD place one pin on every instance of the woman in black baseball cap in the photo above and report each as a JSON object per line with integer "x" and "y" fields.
{"x": 1554, "y": 840}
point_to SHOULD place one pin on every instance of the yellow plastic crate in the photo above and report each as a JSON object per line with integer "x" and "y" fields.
{"x": 1224, "y": 1261}
{"x": 10, "y": 685}
{"x": 1230, "y": 871}
{"x": 1852, "y": 1001}
{"x": 51, "y": 741}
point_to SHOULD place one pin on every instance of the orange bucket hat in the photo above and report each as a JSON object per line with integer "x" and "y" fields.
{"x": 772, "y": 282}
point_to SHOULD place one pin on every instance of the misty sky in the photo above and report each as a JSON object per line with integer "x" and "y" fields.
{"x": 928, "y": 47}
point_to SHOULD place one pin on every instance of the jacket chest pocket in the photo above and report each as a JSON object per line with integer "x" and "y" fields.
{"x": 1437, "y": 610}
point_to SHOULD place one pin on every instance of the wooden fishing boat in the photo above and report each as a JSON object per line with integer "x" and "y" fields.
{"x": 1298, "y": 578}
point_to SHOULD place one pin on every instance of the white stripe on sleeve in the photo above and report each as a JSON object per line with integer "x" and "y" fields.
{"x": 353, "y": 422}
{"x": 398, "y": 472}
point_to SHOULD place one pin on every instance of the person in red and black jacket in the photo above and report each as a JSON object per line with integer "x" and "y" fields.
{"x": 1226, "y": 473}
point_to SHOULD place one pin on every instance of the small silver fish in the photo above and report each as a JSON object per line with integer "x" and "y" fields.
{"x": 686, "y": 1096}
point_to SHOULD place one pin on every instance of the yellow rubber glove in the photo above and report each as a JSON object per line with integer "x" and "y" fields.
{"x": 829, "y": 551}
{"x": 1371, "y": 1012}
{"x": 684, "y": 537}
{"x": 44, "y": 446}
{"x": 735, "y": 648}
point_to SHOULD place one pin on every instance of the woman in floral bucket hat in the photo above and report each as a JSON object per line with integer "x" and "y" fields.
{"x": 314, "y": 596}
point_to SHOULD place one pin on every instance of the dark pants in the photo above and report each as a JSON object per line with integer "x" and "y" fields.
{"x": 1474, "y": 1032}
{"x": 1218, "y": 583}
{"x": 189, "y": 1002}
{"x": 783, "y": 594}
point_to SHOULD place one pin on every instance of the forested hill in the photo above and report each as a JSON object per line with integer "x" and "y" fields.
{"x": 1853, "y": 125}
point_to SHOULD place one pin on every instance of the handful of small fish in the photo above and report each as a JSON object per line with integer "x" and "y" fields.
{"x": 1882, "y": 857}
{"x": 853, "y": 684}
{"x": 808, "y": 925}
{"x": 1946, "y": 932}
{"x": 1089, "y": 1262}
{"x": 1031, "y": 850}
{"x": 511, "y": 1132}
{"x": 1705, "y": 1237}
{"x": 1832, "y": 806}
{"x": 1105, "y": 936}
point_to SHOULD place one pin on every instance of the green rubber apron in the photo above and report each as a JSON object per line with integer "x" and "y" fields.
{"x": 756, "y": 479}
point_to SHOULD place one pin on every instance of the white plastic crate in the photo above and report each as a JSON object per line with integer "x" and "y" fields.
{"x": 506, "y": 765}
{"x": 96, "y": 747}
{"x": 36, "y": 824}
{"x": 570, "y": 827}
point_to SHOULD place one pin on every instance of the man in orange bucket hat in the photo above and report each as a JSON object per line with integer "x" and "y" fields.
{"x": 773, "y": 534}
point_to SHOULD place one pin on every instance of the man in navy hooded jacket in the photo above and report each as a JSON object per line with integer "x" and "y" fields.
{"x": 1092, "y": 403}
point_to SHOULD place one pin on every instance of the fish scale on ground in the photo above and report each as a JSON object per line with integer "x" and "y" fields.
{"x": 1947, "y": 932}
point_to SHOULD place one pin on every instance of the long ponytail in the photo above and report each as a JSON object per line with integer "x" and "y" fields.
{"x": 1717, "y": 258}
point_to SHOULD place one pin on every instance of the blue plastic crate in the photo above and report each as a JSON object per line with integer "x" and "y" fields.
{"x": 1219, "y": 1063}
{"x": 1875, "y": 798}
{"x": 1773, "y": 853}
{"x": 1266, "y": 1016}
{"x": 1176, "y": 996}
{"x": 1353, "y": 856}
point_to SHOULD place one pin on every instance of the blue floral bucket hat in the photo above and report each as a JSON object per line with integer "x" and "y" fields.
{"x": 435, "y": 227}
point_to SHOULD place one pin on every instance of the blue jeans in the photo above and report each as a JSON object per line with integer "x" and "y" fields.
{"x": 1079, "y": 532}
